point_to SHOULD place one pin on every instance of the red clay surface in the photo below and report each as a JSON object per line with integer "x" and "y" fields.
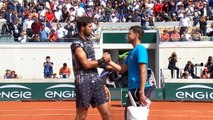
{"x": 65, "y": 110}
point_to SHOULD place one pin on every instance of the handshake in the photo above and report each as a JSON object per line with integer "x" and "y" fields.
{"x": 106, "y": 58}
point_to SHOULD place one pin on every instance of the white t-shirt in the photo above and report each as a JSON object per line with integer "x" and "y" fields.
{"x": 80, "y": 12}
{"x": 209, "y": 30}
{"x": 27, "y": 24}
{"x": 58, "y": 14}
{"x": 185, "y": 22}
{"x": 61, "y": 32}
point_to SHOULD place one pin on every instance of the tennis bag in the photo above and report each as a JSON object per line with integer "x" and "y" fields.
{"x": 135, "y": 112}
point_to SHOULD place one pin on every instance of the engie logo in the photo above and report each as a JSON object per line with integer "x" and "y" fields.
{"x": 194, "y": 92}
{"x": 58, "y": 91}
{"x": 15, "y": 91}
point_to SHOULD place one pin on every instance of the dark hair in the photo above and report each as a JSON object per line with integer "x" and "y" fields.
{"x": 137, "y": 29}
{"x": 83, "y": 21}
{"x": 210, "y": 58}
{"x": 48, "y": 57}
{"x": 65, "y": 65}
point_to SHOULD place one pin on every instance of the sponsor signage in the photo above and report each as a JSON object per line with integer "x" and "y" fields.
{"x": 37, "y": 91}
{"x": 14, "y": 91}
{"x": 124, "y": 95}
{"x": 58, "y": 91}
{"x": 189, "y": 91}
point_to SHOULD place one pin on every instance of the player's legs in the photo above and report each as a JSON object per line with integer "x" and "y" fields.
{"x": 81, "y": 113}
{"x": 83, "y": 98}
{"x": 100, "y": 100}
{"x": 105, "y": 111}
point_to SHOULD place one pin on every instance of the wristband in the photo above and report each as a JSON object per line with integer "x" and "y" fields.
{"x": 101, "y": 61}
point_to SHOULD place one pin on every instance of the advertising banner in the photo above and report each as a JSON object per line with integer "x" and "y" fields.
{"x": 189, "y": 91}
{"x": 37, "y": 91}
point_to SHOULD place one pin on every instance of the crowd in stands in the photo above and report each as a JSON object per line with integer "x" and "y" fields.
{"x": 189, "y": 69}
{"x": 32, "y": 21}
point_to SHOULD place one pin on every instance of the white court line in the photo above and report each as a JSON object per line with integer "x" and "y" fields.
{"x": 1, "y": 110}
{"x": 28, "y": 115}
{"x": 112, "y": 110}
{"x": 7, "y": 115}
{"x": 203, "y": 116}
{"x": 39, "y": 110}
{"x": 181, "y": 110}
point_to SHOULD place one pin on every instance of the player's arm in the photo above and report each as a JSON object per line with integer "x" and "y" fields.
{"x": 86, "y": 63}
{"x": 120, "y": 68}
{"x": 142, "y": 68}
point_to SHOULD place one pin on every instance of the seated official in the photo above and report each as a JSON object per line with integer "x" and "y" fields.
{"x": 64, "y": 71}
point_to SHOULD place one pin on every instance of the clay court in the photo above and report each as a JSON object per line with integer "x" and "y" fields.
{"x": 65, "y": 110}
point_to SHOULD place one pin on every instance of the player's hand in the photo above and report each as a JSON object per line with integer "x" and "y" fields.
{"x": 143, "y": 99}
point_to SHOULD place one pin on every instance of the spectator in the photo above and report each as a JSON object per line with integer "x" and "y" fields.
{"x": 42, "y": 13}
{"x": 11, "y": 18}
{"x": 27, "y": 26}
{"x": 203, "y": 24}
{"x": 48, "y": 68}
{"x": 3, "y": 25}
{"x": 80, "y": 11}
{"x": 209, "y": 64}
{"x": 143, "y": 19}
{"x": 13, "y": 75}
{"x": 190, "y": 10}
{"x": 180, "y": 11}
{"x": 55, "y": 76}
{"x": 36, "y": 26}
{"x": 175, "y": 36}
{"x": 204, "y": 74}
{"x": 172, "y": 64}
{"x": 43, "y": 34}
{"x": 65, "y": 14}
{"x": 196, "y": 35}
{"x": 151, "y": 22}
{"x": 72, "y": 14}
{"x": 16, "y": 29}
{"x": 7, "y": 74}
{"x": 113, "y": 18}
{"x": 186, "y": 36}
{"x": 70, "y": 30}
{"x": 23, "y": 37}
{"x": 203, "y": 9}
{"x": 209, "y": 31}
{"x": 58, "y": 14}
{"x": 178, "y": 4}
{"x": 157, "y": 10}
{"x": 50, "y": 17}
{"x": 34, "y": 38}
{"x": 190, "y": 69}
{"x": 196, "y": 17}
{"x": 184, "y": 23}
{"x": 61, "y": 32}
{"x": 65, "y": 71}
{"x": 53, "y": 37}
{"x": 34, "y": 14}
{"x": 186, "y": 75}
{"x": 27, "y": 12}
{"x": 165, "y": 37}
